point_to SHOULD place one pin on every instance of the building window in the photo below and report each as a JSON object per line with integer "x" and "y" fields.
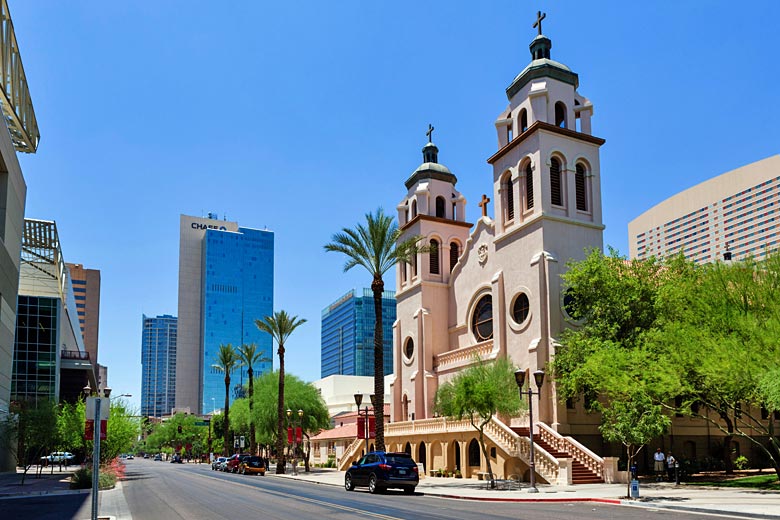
{"x": 414, "y": 265}
{"x": 520, "y": 308}
{"x": 454, "y": 254}
{"x": 440, "y": 207}
{"x": 579, "y": 182}
{"x": 434, "y": 256}
{"x": 556, "y": 197}
{"x": 409, "y": 348}
{"x": 474, "y": 453}
{"x": 560, "y": 115}
{"x": 482, "y": 321}
{"x": 529, "y": 187}
{"x": 414, "y": 208}
{"x": 523, "y": 120}
{"x": 510, "y": 197}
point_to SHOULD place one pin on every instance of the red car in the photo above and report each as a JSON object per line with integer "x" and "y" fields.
{"x": 231, "y": 466}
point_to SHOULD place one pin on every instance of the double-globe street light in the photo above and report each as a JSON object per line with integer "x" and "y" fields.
{"x": 539, "y": 379}
{"x": 291, "y": 418}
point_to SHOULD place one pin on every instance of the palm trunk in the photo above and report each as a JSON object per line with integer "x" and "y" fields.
{"x": 378, "y": 287}
{"x": 226, "y": 425}
{"x": 280, "y": 461}
{"x": 252, "y": 442}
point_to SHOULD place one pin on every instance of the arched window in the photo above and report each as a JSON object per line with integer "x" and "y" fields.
{"x": 408, "y": 449}
{"x": 560, "y": 114}
{"x": 474, "y": 454}
{"x": 579, "y": 183}
{"x": 454, "y": 254}
{"x": 440, "y": 207}
{"x": 482, "y": 321}
{"x": 434, "y": 254}
{"x": 422, "y": 456}
{"x": 523, "y": 120}
{"x": 529, "y": 187}
{"x": 414, "y": 208}
{"x": 556, "y": 197}
{"x": 510, "y": 197}
{"x": 414, "y": 265}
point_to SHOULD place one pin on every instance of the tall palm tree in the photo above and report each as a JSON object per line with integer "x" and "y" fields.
{"x": 280, "y": 326}
{"x": 227, "y": 361}
{"x": 249, "y": 357}
{"x": 376, "y": 247}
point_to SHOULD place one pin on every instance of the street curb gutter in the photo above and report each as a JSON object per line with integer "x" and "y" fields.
{"x": 46, "y": 494}
{"x": 613, "y": 501}
{"x": 722, "y": 512}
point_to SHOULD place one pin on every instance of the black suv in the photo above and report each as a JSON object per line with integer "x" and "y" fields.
{"x": 380, "y": 470}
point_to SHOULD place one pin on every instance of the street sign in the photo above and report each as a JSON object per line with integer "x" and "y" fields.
{"x": 241, "y": 441}
{"x": 104, "y": 407}
{"x": 201, "y": 423}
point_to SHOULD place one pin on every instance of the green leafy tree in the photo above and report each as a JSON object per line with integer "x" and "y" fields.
{"x": 122, "y": 430}
{"x": 633, "y": 422}
{"x": 227, "y": 361}
{"x": 478, "y": 393}
{"x": 30, "y": 432}
{"x": 250, "y": 356}
{"x": 70, "y": 427}
{"x": 280, "y": 326}
{"x": 375, "y": 246}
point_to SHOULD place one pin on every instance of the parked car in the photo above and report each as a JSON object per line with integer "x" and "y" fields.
{"x": 176, "y": 459}
{"x": 215, "y": 465}
{"x": 251, "y": 464}
{"x": 158, "y": 457}
{"x": 146, "y": 455}
{"x": 130, "y": 456}
{"x": 380, "y": 470}
{"x": 58, "y": 456}
{"x": 231, "y": 466}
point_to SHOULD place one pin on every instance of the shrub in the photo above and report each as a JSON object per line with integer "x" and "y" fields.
{"x": 741, "y": 462}
{"x": 82, "y": 479}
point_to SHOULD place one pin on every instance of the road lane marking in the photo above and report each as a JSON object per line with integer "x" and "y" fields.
{"x": 306, "y": 499}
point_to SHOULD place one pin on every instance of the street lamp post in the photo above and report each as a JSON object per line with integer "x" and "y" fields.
{"x": 295, "y": 436}
{"x": 539, "y": 379}
{"x": 358, "y": 402}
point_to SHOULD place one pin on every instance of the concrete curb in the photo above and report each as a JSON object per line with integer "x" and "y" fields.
{"x": 685, "y": 509}
{"x": 10, "y": 496}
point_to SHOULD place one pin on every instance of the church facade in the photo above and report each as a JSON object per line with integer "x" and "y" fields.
{"x": 494, "y": 289}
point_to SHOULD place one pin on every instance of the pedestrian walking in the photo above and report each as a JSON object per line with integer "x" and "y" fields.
{"x": 658, "y": 464}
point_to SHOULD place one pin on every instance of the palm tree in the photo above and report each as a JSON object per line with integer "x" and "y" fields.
{"x": 227, "y": 361}
{"x": 249, "y": 357}
{"x": 376, "y": 247}
{"x": 280, "y": 326}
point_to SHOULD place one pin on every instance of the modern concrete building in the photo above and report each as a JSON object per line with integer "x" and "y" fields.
{"x": 225, "y": 283}
{"x": 158, "y": 365}
{"x": 50, "y": 359}
{"x": 18, "y": 132}
{"x": 738, "y": 212}
{"x": 347, "y": 334}
{"x": 86, "y": 289}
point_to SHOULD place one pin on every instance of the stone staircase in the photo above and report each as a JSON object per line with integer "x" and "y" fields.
{"x": 580, "y": 473}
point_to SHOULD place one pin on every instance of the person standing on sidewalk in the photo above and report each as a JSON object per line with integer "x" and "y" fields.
{"x": 658, "y": 464}
{"x": 671, "y": 464}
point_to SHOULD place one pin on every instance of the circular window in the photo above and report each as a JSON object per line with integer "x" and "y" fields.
{"x": 521, "y": 308}
{"x": 482, "y": 321}
{"x": 570, "y": 305}
{"x": 409, "y": 348}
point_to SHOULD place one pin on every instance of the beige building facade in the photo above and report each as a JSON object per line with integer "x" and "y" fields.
{"x": 738, "y": 212}
{"x": 86, "y": 290}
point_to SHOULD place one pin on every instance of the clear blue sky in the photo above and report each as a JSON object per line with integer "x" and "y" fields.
{"x": 303, "y": 116}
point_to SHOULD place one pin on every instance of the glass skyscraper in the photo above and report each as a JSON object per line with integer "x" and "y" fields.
{"x": 238, "y": 280}
{"x": 158, "y": 363}
{"x": 347, "y": 341}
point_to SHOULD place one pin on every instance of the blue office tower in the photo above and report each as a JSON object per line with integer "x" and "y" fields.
{"x": 347, "y": 341}
{"x": 238, "y": 287}
{"x": 158, "y": 365}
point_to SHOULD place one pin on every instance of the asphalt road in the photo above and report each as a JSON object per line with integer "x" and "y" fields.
{"x": 191, "y": 491}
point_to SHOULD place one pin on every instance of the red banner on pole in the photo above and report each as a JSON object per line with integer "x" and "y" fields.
{"x": 289, "y": 435}
{"x": 89, "y": 430}
{"x": 298, "y": 435}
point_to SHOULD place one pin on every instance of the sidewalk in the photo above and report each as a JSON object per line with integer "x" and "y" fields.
{"x": 738, "y": 503}
{"x": 47, "y": 484}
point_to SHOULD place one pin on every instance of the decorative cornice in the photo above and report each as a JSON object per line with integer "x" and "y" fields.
{"x": 540, "y": 125}
{"x": 438, "y": 220}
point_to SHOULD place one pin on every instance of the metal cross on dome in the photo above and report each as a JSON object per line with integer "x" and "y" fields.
{"x": 429, "y": 133}
{"x": 539, "y": 17}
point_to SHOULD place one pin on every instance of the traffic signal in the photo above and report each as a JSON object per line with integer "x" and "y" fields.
{"x": 179, "y": 428}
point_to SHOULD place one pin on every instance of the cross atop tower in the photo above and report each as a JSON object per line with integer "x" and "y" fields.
{"x": 429, "y": 133}
{"x": 539, "y": 17}
{"x": 483, "y": 204}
